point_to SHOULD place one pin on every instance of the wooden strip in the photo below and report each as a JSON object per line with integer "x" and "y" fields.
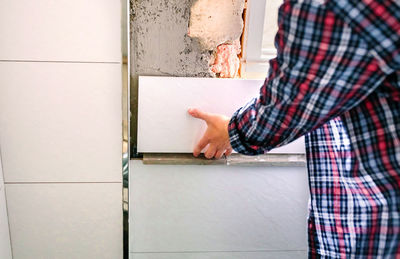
{"x": 232, "y": 160}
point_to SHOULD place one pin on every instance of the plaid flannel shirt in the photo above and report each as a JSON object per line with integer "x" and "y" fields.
{"x": 336, "y": 79}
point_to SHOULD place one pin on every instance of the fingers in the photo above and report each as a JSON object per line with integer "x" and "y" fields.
{"x": 216, "y": 135}
{"x": 196, "y": 113}
{"x": 210, "y": 153}
{"x": 228, "y": 152}
{"x": 219, "y": 153}
{"x": 200, "y": 146}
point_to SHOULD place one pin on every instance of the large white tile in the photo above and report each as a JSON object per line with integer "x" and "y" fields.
{"x": 223, "y": 255}
{"x": 60, "y": 122}
{"x": 1, "y": 170}
{"x": 5, "y": 245}
{"x": 62, "y": 30}
{"x": 217, "y": 208}
{"x": 164, "y": 124}
{"x": 65, "y": 220}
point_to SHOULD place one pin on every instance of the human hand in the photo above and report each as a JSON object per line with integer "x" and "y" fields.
{"x": 216, "y": 135}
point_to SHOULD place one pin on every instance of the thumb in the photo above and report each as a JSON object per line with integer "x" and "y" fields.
{"x": 196, "y": 113}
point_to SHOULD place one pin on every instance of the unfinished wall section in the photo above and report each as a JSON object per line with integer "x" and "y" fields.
{"x": 191, "y": 38}
{"x": 161, "y": 45}
{"x": 218, "y": 26}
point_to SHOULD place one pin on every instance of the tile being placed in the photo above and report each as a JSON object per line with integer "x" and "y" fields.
{"x": 62, "y": 30}
{"x": 164, "y": 126}
{"x": 60, "y": 221}
{"x": 60, "y": 122}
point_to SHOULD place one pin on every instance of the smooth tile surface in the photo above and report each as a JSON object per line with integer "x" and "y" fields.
{"x": 217, "y": 208}
{"x": 62, "y": 30}
{"x": 164, "y": 126}
{"x": 60, "y": 122}
{"x": 5, "y": 245}
{"x": 65, "y": 220}
{"x": 224, "y": 255}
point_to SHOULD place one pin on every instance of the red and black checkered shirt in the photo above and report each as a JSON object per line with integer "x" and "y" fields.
{"x": 336, "y": 79}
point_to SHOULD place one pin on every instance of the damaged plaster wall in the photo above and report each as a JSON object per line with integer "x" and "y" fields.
{"x": 162, "y": 44}
{"x": 218, "y": 26}
{"x": 216, "y": 22}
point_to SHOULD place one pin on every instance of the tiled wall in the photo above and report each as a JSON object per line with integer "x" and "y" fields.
{"x": 5, "y": 245}
{"x": 60, "y": 124}
{"x": 221, "y": 212}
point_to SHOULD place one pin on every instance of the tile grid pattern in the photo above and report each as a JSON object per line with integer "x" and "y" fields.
{"x": 62, "y": 167}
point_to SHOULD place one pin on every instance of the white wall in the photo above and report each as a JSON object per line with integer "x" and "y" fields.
{"x": 5, "y": 244}
{"x": 224, "y": 212}
{"x": 60, "y": 124}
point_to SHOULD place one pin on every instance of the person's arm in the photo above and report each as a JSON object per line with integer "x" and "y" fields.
{"x": 322, "y": 70}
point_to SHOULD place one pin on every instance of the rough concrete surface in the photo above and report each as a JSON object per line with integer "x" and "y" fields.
{"x": 160, "y": 42}
{"x": 216, "y": 22}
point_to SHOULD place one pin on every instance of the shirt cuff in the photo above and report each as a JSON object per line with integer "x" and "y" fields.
{"x": 238, "y": 141}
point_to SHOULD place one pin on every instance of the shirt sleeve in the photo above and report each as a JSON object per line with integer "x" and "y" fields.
{"x": 322, "y": 70}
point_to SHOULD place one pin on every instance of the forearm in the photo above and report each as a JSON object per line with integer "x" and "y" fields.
{"x": 309, "y": 82}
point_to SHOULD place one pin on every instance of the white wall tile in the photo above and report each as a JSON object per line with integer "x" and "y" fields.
{"x": 5, "y": 245}
{"x": 65, "y": 220}
{"x": 62, "y": 30}
{"x": 167, "y": 127}
{"x": 223, "y": 255}
{"x": 217, "y": 208}
{"x": 1, "y": 170}
{"x": 60, "y": 122}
